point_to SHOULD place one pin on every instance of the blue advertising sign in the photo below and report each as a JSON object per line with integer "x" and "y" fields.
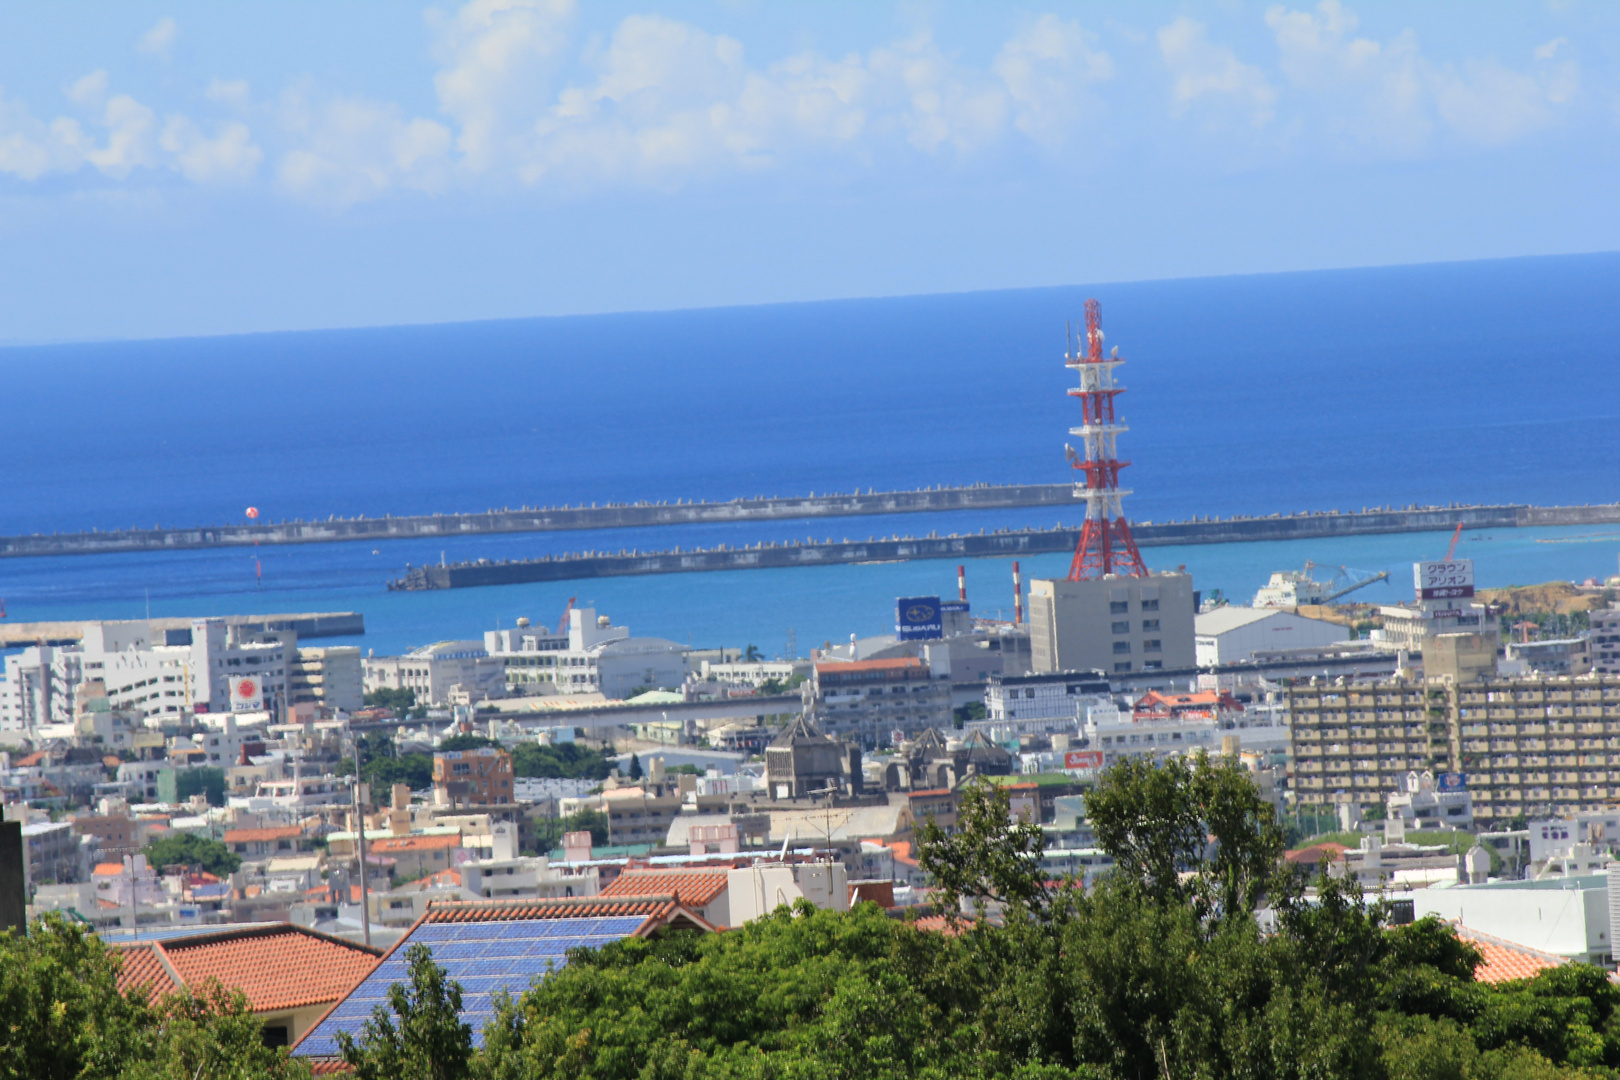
{"x": 918, "y": 618}
{"x": 1451, "y": 781}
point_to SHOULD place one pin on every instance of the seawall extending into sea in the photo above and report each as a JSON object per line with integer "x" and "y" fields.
{"x": 594, "y": 564}
{"x": 543, "y": 519}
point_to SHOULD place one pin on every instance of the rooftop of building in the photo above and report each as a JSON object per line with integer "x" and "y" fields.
{"x": 248, "y": 836}
{"x": 696, "y": 887}
{"x": 1232, "y": 617}
{"x": 494, "y": 947}
{"x": 853, "y": 667}
{"x": 1506, "y": 960}
{"x": 276, "y": 966}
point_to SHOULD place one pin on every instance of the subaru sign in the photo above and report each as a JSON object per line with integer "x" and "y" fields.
{"x": 918, "y": 618}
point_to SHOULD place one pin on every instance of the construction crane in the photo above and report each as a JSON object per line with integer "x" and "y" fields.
{"x": 1452, "y": 550}
{"x": 1382, "y": 575}
{"x": 562, "y": 624}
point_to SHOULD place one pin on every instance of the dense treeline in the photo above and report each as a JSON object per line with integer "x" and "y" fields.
{"x": 1163, "y": 970}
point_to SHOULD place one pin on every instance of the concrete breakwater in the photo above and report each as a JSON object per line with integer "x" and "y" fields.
{"x": 1004, "y": 543}
{"x": 543, "y": 519}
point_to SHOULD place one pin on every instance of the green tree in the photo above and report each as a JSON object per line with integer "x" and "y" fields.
{"x": 1188, "y": 831}
{"x": 186, "y": 849}
{"x": 400, "y": 701}
{"x": 988, "y": 855}
{"x": 210, "y": 1032}
{"x": 564, "y": 760}
{"x": 61, "y": 1015}
{"x": 429, "y": 1040}
{"x": 635, "y": 767}
{"x": 752, "y": 654}
{"x": 467, "y": 742}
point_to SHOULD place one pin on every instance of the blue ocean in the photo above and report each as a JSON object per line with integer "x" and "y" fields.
{"x": 1471, "y": 382}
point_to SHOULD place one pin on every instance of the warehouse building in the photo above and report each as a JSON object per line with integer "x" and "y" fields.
{"x": 1231, "y": 635}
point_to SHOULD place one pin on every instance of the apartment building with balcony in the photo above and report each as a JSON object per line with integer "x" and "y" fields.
{"x": 1526, "y": 747}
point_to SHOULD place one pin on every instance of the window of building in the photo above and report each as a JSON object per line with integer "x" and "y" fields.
{"x": 1119, "y": 607}
{"x": 1121, "y": 647}
{"x": 1152, "y": 665}
{"x": 1151, "y": 645}
{"x": 1150, "y": 624}
{"x": 1122, "y": 627}
{"x": 1150, "y": 605}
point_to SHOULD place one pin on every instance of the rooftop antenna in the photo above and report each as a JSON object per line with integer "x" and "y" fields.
{"x": 1106, "y": 545}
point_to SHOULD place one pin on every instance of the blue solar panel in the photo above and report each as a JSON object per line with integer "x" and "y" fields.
{"x": 484, "y": 957}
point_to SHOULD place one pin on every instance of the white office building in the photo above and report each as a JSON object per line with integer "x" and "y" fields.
{"x": 435, "y": 671}
{"x": 1231, "y": 635}
{"x": 207, "y": 668}
{"x": 1041, "y": 704}
{"x": 595, "y": 658}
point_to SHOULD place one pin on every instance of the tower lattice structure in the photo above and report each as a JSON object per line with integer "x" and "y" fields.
{"x": 1106, "y": 545}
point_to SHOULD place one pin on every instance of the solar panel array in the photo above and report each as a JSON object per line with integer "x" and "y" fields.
{"x": 484, "y": 957}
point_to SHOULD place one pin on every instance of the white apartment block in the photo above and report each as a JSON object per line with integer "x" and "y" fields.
{"x": 330, "y": 677}
{"x": 1040, "y": 704}
{"x": 156, "y": 675}
{"x": 596, "y": 657}
{"x": 434, "y": 671}
{"x": 1119, "y": 735}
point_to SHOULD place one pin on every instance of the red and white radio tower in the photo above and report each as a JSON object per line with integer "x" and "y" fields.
{"x": 1106, "y": 545}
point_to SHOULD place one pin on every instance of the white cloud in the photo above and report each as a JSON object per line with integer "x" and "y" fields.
{"x": 1047, "y": 70}
{"x": 230, "y": 156}
{"x": 89, "y": 91}
{"x": 498, "y": 57}
{"x": 228, "y": 91}
{"x": 1388, "y": 96}
{"x": 159, "y": 40}
{"x": 1201, "y": 70}
{"x": 348, "y": 149}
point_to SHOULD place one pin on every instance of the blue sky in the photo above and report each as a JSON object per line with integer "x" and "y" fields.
{"x": 195, "y": 168}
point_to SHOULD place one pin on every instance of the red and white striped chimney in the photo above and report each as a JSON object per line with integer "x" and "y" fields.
{"x": 961, "y": 583}
{"x": 1018, "y": 596}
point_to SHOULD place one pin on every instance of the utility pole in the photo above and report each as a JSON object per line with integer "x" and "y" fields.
{"x": 360, "y": 834}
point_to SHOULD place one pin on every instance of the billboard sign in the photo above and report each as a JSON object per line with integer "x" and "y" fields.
{"x": 1450, "y": 579}
{"x": 918, "y": 618}
{"x": 1082, "y": 759}
{"x": 247, "y": 693}
{"x": 1451, "y": 781}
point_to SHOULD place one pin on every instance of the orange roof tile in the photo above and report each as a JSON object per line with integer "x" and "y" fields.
{"x": 694, "y": 888}
{"x": 900, "y": 664}
{"x": 1506, "y": 960}
{"x": 142, "y": 965}
{"x": 414, "y": 843}
{"x": 108, "y": 869}
{"x": 1327, "y": 850}
{"x": 276, "y": 967}
{"x": 248, "y": 836}
{"x": 930, "y": 793}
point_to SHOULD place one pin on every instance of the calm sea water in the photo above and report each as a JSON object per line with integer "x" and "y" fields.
{"x": 1478, "y": 382}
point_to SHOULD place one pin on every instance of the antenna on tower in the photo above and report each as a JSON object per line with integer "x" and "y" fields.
{"x": 1106, "y": 545}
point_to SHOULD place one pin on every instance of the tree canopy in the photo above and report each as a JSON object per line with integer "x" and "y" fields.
{"x": 185, "y": 849}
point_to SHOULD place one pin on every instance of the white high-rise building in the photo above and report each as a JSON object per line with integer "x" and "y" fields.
{"x": 208, "y": 668}
{"x": 595, "y": 657}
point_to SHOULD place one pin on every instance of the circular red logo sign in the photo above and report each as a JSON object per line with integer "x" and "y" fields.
{"x": 246, "y": 689}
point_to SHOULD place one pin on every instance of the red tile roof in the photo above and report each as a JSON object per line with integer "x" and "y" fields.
{"x": 1505, "y": 960}
{"x": 107, "y": 869}
{"x": 931, "y": 793}
{"x": 248, "y": 836}
{"x": 276, "y": 967}
{"x": 143, "y": 965}
{"x": 1309, "y": 856}
{"x": 694, "y": 888}
{"x": 414, "y": 843}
